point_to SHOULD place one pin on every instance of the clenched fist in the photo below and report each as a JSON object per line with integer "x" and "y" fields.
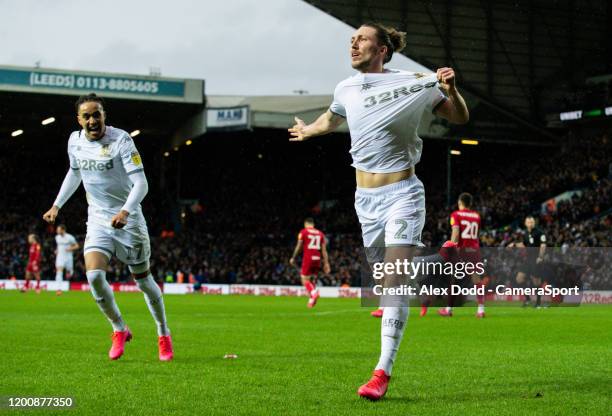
{"x": 51, "y": 215}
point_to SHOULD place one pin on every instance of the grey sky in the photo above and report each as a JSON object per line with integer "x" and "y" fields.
{"x": 238, "y": 46}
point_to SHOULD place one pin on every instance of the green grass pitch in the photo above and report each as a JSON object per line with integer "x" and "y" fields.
{"x": 296, "y": 361}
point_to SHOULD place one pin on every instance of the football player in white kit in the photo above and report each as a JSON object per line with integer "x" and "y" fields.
{"x": 383, "y": 108}
{"x": 105, "y": 159}
{"x": 64, "y": 258}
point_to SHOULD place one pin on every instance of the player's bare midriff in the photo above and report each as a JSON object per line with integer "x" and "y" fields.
{"x": 375, "y": 180}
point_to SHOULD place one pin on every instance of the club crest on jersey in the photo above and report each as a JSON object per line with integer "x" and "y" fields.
{"x": 105, "y": 151}
{"x": 136, "y": 158}
{"x": 366, "y": 87}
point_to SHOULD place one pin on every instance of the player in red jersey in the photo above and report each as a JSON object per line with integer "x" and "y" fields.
{"x": 465, "y": 224}
{"x": 33, "y": 267}
{"x": 312, "y": 241}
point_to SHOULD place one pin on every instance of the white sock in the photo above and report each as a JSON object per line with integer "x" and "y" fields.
{"x": 103, "y": 294}
{"x": 59, "y": 275}
{"x": 449, "y": 309}
{"x": 155, "y": 302}
{"x": 393, "y": 323}
{"x": 481, "y": 308}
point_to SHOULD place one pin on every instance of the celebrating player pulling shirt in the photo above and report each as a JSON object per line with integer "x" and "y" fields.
{"x": 383, "y": 108}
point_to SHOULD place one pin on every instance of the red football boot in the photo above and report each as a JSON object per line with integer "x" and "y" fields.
{"x": 444, "y": 312}
{"x": 480, "y": 315}
{"x": 165, "y": 348}
{"x": 313, "y": 299}
{"x": 378, "y": 313}
{"x": 423, "y": 311}
{"x": 376, "y": 388}
{"x": 119, "y": 339}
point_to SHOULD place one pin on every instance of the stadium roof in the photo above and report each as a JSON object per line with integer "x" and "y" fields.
{"x": 514, "y": 59}
{"x": 157, "y": 106}
{"x": 276, "y": 111}
{"x": 273, "y": 103}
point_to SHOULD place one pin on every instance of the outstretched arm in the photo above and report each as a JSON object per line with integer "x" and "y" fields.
{"x": 454, "y": 109}
{"x": 326, "y": 123}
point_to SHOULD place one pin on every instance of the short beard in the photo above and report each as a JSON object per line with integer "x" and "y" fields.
{"x": 361, "y": 66}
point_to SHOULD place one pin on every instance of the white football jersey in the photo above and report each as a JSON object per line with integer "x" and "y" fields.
{"x": 105, "y": 166}
{"x": 383, "y": 112}
{"x": 63, "y": 243}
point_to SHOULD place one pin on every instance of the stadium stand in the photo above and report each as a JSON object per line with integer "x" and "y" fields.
{"x": 253, "y": 194}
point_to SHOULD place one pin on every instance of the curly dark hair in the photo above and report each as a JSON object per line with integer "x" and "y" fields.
{"x": 87, "y": 98}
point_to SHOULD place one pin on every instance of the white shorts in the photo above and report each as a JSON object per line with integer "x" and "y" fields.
{"x": 392, "y": 215}
{"x": 131, "y": 246}
{"x": 65, "y": 263}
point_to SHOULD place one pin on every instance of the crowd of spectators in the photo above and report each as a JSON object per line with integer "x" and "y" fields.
{"x": 248, "y": 236}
